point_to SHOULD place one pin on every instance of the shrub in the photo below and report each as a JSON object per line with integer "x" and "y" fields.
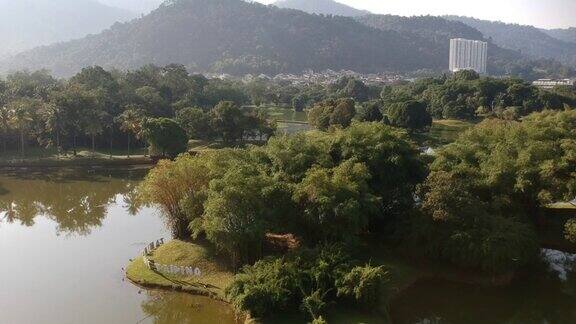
{"x": 306, "y": 278}
{"x": 364, "y": 284}
{"x": 570, "y": 230}
{"x": 268, "y": 286}
{"x": 482, "y": 241}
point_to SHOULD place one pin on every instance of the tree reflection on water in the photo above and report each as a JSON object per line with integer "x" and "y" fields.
{"x": 168, "y": 308}
{"x": 76, "y": 199}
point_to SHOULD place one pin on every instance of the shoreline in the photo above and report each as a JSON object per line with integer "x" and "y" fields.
{"x": 140, "y": 275}
{"x": 77, "y": 162}
{"x": 242, "y": 317}
{"x": 179, "y": 288}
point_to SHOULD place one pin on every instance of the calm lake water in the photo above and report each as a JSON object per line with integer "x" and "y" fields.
{"x": 65, "y": 236}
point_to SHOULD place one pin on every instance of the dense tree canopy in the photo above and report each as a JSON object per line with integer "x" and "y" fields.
{"x": 165, "y": 136}
{"x": 100, "y": 108}
{"x": 486, "y": 190}
{"x": 332, "y": 113}
{"x": 466, "y": 95}
{"x": 324, "y": 187}
{"x": 411, "y": 115}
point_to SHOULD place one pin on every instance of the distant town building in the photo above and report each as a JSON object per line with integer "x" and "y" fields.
{"x": 468, "y": 54}
{"x": 551, "y": 83}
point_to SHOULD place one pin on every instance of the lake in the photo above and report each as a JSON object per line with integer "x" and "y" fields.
{"x": 65, "y": 237}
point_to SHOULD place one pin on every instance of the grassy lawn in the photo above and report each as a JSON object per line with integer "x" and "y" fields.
{"x": 286, "y": 114}
{"x": 216, "y": 275}
{"x": 293, "y": 127}
{"x": 562, "y": 205}
{"x": 82, "y": 152}
{"x": 443, "y": 132}
{"x": 202, "y": 145}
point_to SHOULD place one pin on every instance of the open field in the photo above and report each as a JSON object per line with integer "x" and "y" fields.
{"x": 442, "y": 132}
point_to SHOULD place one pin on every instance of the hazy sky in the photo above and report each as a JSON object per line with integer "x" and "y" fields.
{"x": 540, "y": 13}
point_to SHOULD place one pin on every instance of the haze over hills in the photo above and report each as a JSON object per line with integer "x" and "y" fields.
{"x": 236, "y": 37}
{"x": 239, "y": 37}
{"x": 567, "y": 35}
{"x": 136, "y": 6}
{"x": 325, "y": 7}
{"x": 530, "y": 41}
{"x": 25, "y": 24}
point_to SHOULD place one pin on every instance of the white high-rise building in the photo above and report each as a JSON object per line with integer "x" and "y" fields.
{"x": 468, "y": 54}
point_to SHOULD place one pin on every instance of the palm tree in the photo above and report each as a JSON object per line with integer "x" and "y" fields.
{"x": 22, "y": 116}
{"x": 54, "y": 122}
{"x": 93, "y": 125}
{"x": 4, "y": 125}
{"x": 130, "y": 122}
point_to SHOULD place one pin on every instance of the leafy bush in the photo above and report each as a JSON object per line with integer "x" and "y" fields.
{"x": 490, "y": 243}
{"x": 364, "y": 284}
{"x": 570, "y": 230}
{"x": 309, "y": 278}
{"x": 466, "y": 231}
{"x": 269, "y": 285}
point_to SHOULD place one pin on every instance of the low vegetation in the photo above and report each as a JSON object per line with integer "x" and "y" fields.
{"x": 216, "y": 275}
{"x": 570, "y": 230}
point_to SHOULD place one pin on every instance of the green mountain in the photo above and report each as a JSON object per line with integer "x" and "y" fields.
{"x": 25, "y": 24}
{"x": 325, "y": 7}
{"x": 567, "y": 35}
{"x": 529, "y": 40}
{"x": 236, "y": 37}
{"x": 239, "y": 37}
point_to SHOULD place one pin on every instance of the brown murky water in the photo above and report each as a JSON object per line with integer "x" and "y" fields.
{"x": 545, "y": 293}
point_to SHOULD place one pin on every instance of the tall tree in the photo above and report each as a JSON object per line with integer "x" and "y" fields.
{"x": 23, "y": 113}
{"x": 93, "y": 124}
{"x": 55, "y": 123}
{"x": 227, "y": 120}
{"x": 165, "y": 136}
{"x": 130, "y": 122}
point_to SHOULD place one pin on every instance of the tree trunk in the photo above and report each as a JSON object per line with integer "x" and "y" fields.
{"x": 111, "y": 142}
{"x": 22, "y": 142}
{"x": 58, "y": 144}
{"x": 4, "y": 142}
{"x": 93, "y": 145}
{"x": 74, "y": 144}
{"x": 128, "y": 146}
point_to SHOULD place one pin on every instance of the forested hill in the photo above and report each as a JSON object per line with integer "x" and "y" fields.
{"x": 25, "y": 24}
{"x": 529, "y": 40}
{"x": 434, "y": 34}
{"x": 567, "y": 35}
{"x": 236, "y": 37}
{"x": 325, "y": 7}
